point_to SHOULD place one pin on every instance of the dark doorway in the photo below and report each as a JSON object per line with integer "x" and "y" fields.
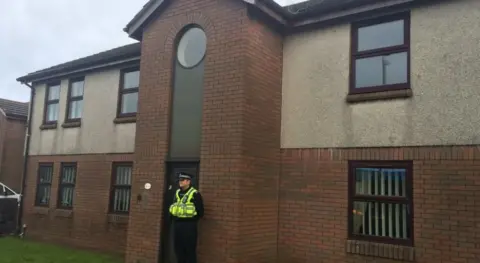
{"x": 171, "y": 186}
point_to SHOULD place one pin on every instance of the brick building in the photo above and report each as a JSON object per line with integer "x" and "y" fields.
{"x": 13, "y": 121}
{"x": 325, "y": 131}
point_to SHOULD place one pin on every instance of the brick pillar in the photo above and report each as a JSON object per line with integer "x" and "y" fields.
{"x": 239, "y": 167}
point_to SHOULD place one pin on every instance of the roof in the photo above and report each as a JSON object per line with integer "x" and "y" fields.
{"x": 112, "y": 55}
{"x": 290, "y": 16}
{"x": 14, "y": 108}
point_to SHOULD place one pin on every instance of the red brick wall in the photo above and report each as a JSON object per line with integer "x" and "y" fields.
{"x": 313, "y": 203}
{"x": 239, "y": 166}
{"x": 89, "y": 226}
{"x": 12, "y": 157}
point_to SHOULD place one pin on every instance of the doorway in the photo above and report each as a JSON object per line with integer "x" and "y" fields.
{"x": 171, "y": 186}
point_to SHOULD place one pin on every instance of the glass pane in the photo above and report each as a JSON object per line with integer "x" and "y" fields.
{"x": 131, "y": 80}
{"x": 68, "y": 174}
{"x": 381, "y": 35}
{"x": 9, "y": 192}
{"x": 43, "y": 194}
{"x": 192, "y": 47}
{"x": 52, "y": 112}
{"x": 381, "y": 219}
{"x": 54, "y": 92}
{"x": 45, "y": 174}
{"x": 381, "y": 70}
{"x": 129, "y": 102}
{"x": 76, "y": 109}
{"x": 77, "y": 89}
{"x": 66, "y": 196}
{"x": 124, "y": 175}
{"x": 121, "y": 200}
{"x": 187, "y": 112}
{"x": 380, "y": 181}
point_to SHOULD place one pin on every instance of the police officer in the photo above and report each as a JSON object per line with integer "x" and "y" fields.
{"x": 186, "y": 210}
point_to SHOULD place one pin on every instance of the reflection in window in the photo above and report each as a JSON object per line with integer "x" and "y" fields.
{"x": 67, "y": 186}
{"x": 75, "y": 100}
{"x": 380, "y": 55}
{"x": 381, "y": 70}
{"x": 130, "y": 82}
{"x": 44, "y": 184}
{"x": 51, "y": 104}
{"x": 381, "y": 35}
{"x": 381, "y": 202}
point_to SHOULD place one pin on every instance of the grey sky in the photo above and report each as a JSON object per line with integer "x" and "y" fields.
{"x": 42, "y": 33}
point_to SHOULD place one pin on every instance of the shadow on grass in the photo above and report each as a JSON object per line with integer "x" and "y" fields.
{"x": 14, "y": 250}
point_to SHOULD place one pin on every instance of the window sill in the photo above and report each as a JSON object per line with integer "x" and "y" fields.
{"x": 74, "y": 124}
{"x": 48, "y": 126}
{"x": 41, "y": 210}
{"x": 381, "y": 95}
{"x": 380, "y": 250}
{"x": 120, "y": 120}
{"x": 63, "y": 213}
{"x": 118, "y": 219}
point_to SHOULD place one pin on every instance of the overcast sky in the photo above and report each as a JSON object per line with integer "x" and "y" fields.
{"x": 42, "y": 33}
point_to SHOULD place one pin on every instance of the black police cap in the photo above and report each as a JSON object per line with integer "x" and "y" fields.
{"x": 183, "y": 175}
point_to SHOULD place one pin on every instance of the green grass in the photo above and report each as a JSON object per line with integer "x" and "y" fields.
{"x": 15, "y": 250}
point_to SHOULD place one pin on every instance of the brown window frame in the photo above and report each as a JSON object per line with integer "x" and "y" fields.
{"x": 355, "y": 55}
{"x": 408, "y": 199}
{"x": 50, "y": 102}
{"x": 40, "y": 165}
{"x": 114, "y": 186}
{"x": 122, "y": 91}
{"x": 71, "y": 99}
{"x": 62, "y": 185}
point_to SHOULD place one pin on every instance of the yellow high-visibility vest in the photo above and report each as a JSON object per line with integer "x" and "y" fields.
{"x": 184, "y": 208}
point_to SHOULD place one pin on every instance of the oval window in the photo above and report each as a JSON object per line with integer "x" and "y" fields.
{"x": 192, "y": 47}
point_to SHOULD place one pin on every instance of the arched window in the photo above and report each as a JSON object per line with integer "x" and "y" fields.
{"x": 187, "y": 100}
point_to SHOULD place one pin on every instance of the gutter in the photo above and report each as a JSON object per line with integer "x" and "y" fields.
{"x": 44, "y": 76}
{"x": 20, "y": 226}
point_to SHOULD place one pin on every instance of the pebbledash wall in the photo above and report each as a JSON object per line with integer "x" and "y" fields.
{"x": 94, "y": 146}
{"x": 277, "y": 139}
{"x": 436, "y": 129}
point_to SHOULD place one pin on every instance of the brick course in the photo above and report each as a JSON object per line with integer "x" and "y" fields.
{"x": 263, "y": 203}
{"x": 313, "y": 203}
{"x": 12, "y": 153}
{"x": 88, "y": 225}
{"x": 240, "y": 137}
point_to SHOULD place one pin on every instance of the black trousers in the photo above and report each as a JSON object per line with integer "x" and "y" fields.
{"x": 185, "y": 241}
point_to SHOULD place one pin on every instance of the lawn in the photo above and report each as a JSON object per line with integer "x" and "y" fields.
{"x": 15, "y": 250}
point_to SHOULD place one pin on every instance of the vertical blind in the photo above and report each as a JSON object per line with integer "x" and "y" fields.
{"x": 380, "y": 218}
{"x": 44, "y": 185}
{"x": 121, "y": 195}
{"x": 67, "y": 186}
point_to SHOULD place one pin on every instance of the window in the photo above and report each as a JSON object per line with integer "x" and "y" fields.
{"x": 380, "y": 202}
{"x": 52, "y": 98}
{"x": 380, "y": 55}
{"x": 121, "y": 187}
{"x": 8, "y": 192}
{"x": 75, "y": 100}
{"x": 66, "y": 188}
{"x": 187, "y": 94}
{"x": 44, "y": 184}
{"x": 128, "y": 97}
{"x": 5, "y": 191}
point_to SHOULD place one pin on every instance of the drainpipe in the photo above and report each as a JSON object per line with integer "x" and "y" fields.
{"x": 20, "y": 227}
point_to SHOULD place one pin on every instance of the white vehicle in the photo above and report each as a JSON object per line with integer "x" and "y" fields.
{"x": 6, "y": 192}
